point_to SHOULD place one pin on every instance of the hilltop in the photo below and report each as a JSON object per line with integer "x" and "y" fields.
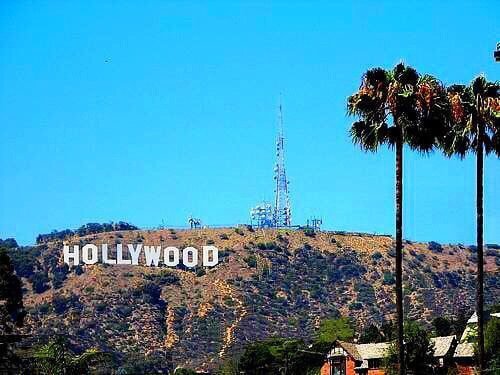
{"x": 268, "y": 283}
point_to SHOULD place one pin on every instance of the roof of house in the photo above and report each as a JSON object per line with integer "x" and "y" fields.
{"x": 442, "y": 345}
{"x": 372, "y": 351}
{"x": 351, "y": 349}
{"x": 362, "y": 352}
{"x": 470, "y": 330}
{"x": 464, "y": 350}
{"x": 473, "y": 318}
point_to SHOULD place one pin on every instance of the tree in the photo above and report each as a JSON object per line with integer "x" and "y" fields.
{"x": 55, "y": 358}
{"x": 284, "y": 356}
{"x": 331, "y": 330}
{"x": 388, "y": 330}
{"x": 442, "y": 326}
{"x": 184, "y": 371}
{"x": 371, "y": 334}
{"x": 229, "y": 367}
{"x": 475, "y": 128}
{"x": 395, "y": 108}
{"x": 492, "y": 343}
{"x": 12, "y": 311}
{"x": 419, "y": 353}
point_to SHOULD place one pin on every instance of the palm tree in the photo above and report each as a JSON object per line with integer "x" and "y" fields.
{"x": 475, "y": 128}
{"x": 395, "y": 108}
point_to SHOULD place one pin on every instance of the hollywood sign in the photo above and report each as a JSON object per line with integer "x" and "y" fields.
{"x": 152, "y": 255}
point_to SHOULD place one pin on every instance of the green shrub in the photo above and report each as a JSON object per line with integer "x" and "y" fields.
{"x": 309, "y": 232}
{"x": 251, "y": 261}
{"x": 389, "y": 278}
{"x": 39, "y": 281}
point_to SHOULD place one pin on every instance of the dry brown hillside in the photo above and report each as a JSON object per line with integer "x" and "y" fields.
{"x": 267, "y": 283}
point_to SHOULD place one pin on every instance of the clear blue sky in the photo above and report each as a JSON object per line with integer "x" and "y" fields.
{"x": 151, "y": 111}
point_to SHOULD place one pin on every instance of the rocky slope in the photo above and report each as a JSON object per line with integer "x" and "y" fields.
{"x": 267, "y": 283}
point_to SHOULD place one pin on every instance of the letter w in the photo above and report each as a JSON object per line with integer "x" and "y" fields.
{"x": 152, "y": 254}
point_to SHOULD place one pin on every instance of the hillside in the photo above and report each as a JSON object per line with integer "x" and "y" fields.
{"x": 267, "y": 283}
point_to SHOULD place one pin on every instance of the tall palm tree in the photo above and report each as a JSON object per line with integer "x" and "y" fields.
{"x": 394, "y": 108}
{"x": 475, "y": 128}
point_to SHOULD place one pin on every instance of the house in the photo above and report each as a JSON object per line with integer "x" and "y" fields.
{"x": 464, "y": 358}
{"x": 367, "y": 359}
{"x": 470, "y": 331}
{"x": 444, "y": 348}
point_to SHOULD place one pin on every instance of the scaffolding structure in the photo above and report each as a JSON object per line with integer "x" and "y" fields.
{"x": 262, "y": 215}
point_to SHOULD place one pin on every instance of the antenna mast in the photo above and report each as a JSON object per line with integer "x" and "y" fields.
{"x": 282, "y": 212}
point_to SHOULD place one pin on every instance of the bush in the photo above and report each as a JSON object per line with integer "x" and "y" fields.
{"x": 261, "y": 246}
{"x": 164, "y": 277}
{"x": 39, "y": 282}
{"x": 251, "y": 261}
{"x": 124, "y": 311}
{"x": 9, "y": 243}
{"x": 200, "y": 272}
{"x": 435, "y": 247}
{"x": 389, "y": 278}
{"x": 59, "y": 275}
{"x": 309, "y": 232}
{"x": 420, "y": 257}
{"x": 151, "y": 293}
{"x": 366, "y": 293}
{"x": 44, "y": 308}
{"x": 60, "y": 304}
{"x": 78, "y": 270}
{"x": 355, "y": 306}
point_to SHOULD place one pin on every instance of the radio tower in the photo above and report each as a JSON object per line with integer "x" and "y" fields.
{"x": 282, "y": 212}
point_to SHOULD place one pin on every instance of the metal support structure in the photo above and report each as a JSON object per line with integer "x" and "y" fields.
{"x": 282, "y": 211}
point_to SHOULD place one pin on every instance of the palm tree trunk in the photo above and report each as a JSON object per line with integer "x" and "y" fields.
{"x": 399, "y": 252}
{"x": 479, "y": 218}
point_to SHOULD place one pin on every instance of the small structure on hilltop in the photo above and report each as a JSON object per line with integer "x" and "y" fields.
{"x": 315, "y": 223}
{"x": 262, "y": 215}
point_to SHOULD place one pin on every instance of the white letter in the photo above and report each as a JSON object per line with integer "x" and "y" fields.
{"x": 134, "y": 253}
{"x": 166, "y": 256}
{"x": 194, "y": 257}
{"x": 74, "y": 255}
{"x": 104, "y": 249}
{"x": 152, "y": 254}
{"x": 119, "y": 255}
{"x": 215, "y": 256}
{"x": 93, "y": 252}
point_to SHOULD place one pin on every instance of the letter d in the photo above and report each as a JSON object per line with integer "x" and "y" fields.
{"x": 206, "y": 256}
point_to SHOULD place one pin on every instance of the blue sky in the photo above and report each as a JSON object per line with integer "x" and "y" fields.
{"x": 151, "y": 111}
